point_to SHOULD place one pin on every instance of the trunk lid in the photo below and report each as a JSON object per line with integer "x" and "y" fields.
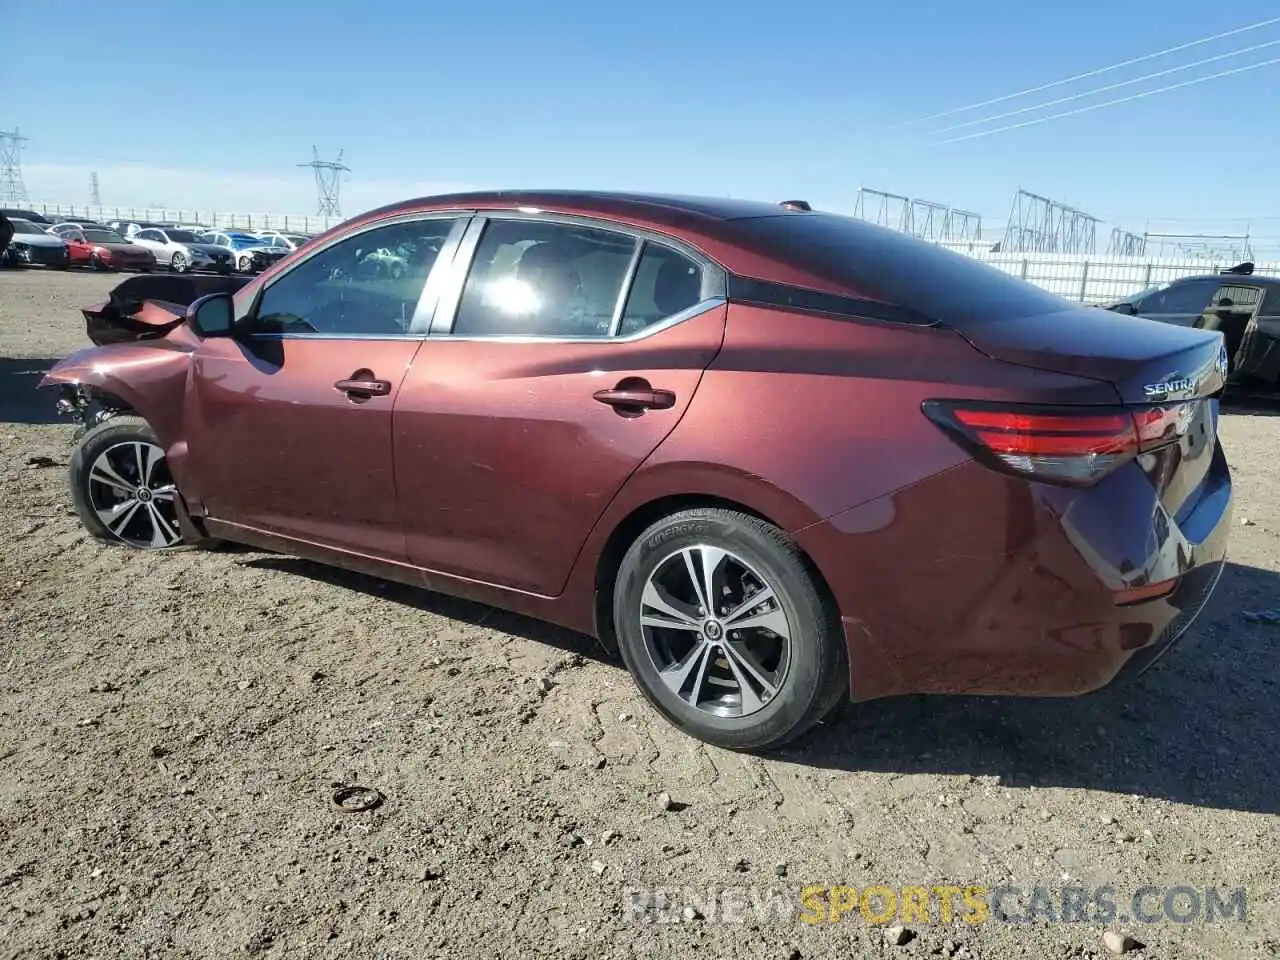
{"x": 1150, "y": 365}
{"x": 1144, "y": 360}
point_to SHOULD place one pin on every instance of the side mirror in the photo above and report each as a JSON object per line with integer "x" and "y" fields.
{"x": 1128, "y": 309}
{"x": 213, "y": 315}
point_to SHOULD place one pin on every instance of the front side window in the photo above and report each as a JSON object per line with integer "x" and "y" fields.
{"x": 365, "y": 285}
{"x": 532, "y": 278}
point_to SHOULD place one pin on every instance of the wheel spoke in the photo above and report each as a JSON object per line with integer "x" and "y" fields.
{"x": 730, "y": 619}
{"x": 168, "y": 492}
{"x": 147, "y": 457}
{"x": 774, "y": 620}
{"x": 741, "y": 660}
{"x": 702, "y": 574}
{"x": 676, "y": 676}
{"x": 163, "y": 532}
{"x": 103, "y": 472}
{"x": 680, "y": 619}
{"x": 117, "y": 517}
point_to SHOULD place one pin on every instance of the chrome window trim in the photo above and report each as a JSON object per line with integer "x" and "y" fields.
{"x": 446, "y": 312}
{"x": 688, "y": 313}
{"x": 419, "y": 323}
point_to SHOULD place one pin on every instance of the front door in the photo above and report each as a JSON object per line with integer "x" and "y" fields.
{"x": 291, "y": 419}
{"x": 572, "y": 352}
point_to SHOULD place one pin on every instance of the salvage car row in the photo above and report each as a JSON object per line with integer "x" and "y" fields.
{"x": 141, "y": 245}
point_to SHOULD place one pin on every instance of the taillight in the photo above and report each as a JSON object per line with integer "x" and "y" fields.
{"x": 1071, "y": 445}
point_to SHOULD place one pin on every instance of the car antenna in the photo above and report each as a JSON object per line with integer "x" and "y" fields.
{"x": 795, "y": 205}
{"x": 1241, "y": 269}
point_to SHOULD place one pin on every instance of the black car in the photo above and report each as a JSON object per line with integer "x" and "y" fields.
{"x": 1244, "y": 306}
{"x": 31, "y": 215}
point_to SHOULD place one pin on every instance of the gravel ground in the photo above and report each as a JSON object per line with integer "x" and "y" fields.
{"x": 172, "y": 730}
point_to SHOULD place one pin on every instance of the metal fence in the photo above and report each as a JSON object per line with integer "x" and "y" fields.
{"x": 1095, "y": 279}
{"x": 1087, "y": 278}
{"x": 285, "y": 222}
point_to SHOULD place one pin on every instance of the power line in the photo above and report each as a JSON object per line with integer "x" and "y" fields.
{"x": 1110, "y": 86}
{"x": 1107, "y": 103}
{"x": 1093, "y": 73}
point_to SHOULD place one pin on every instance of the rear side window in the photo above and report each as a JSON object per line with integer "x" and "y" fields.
{"x": 666, "y": 283}
{"x": 1240, "y": 299}
{"x": 1271, "y": 302}
{"x": 930, "y": 282}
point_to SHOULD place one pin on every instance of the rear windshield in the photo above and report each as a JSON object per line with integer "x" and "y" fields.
{"x": 886, "y": 265}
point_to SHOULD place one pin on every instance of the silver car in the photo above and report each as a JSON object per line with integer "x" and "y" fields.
{"x": 181, "y": 250}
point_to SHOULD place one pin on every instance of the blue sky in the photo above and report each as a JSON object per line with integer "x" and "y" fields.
{"x": 212, "y": 104}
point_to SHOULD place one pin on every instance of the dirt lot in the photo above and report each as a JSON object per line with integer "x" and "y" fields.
{"x": 172, "y": 729}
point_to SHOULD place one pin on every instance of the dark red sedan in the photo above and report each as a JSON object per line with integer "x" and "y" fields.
{"x": 102, "y": 248}
{"x": 773, "y": 455}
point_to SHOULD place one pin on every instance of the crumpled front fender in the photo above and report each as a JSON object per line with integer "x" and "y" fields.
{"x": 148, "y": 378}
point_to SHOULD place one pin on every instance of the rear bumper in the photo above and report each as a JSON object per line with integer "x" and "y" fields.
{"x": 971, "y": 583}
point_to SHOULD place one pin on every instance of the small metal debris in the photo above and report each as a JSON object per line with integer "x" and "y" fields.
{"x": 898, "y": 935}
{"x": 355, "y": 799}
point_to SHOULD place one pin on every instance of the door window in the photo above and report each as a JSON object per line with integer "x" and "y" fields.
{"x": 666, "y": 282}
{"x": 368, "y": 284}
{"x": 532, "y": 278}
{"x": 1190, "y": 297}
{"x": 1236, "y": 298}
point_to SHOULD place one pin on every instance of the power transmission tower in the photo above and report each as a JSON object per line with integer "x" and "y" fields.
{"x": 328, "y": 175}
{"x": 1040, "y": 225}
{"x": 95, "y": 195}
{"x": 12, "y": 189}
{"x": 1126, "y": 244}
{"x": 925, "y": 219}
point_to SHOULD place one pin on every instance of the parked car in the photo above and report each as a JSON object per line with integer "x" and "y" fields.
{"x": 33, "y": 246}
{"x": 249, "y": 254}
{"x": 29, "y": 215}
{"x": 127, "y": 228}
{"x": 1245, "y": 307}
{"x": 103, "y": 248}
{"x": 181, "y": 250}
{"x": 770, "y": 455}
{"x": 286, "y": 241}
{"x": 78, "y": 221}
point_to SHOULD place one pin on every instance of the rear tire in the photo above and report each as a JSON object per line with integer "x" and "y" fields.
{"x": 760, "y": 664}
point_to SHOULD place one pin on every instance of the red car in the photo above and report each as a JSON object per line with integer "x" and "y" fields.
{"x": 103, "y": 248}
{"x": 772, "y": 455}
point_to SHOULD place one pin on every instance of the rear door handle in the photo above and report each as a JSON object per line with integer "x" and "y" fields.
{"x": 643, "y": 398}
{"x": 362, "y": 383}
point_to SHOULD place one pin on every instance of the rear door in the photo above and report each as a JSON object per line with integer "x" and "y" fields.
{"x": 563, "y": 353}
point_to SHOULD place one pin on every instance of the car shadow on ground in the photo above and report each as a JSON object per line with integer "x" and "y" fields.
{"x": 20, "y": 401}
{"x": 464, "y": 611}
{"x": 1198, "y": 728}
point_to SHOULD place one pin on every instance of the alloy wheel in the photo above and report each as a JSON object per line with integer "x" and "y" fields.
{"x": 133, "y": 494}
{"x": 716, "y": 631}
{"x": 178, "y": 264}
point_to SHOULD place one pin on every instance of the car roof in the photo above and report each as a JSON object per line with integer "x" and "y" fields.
{"x": 657, "y": 207}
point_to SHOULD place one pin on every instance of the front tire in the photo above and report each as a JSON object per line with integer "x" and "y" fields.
{"x": 725, "y": 630}
{"x": 121, "y": 487}
{"x": 178, "y": 263}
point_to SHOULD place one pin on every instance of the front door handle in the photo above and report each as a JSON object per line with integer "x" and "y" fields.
{"x": 363, "y": 384}
{"x": 637, "y": 397}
